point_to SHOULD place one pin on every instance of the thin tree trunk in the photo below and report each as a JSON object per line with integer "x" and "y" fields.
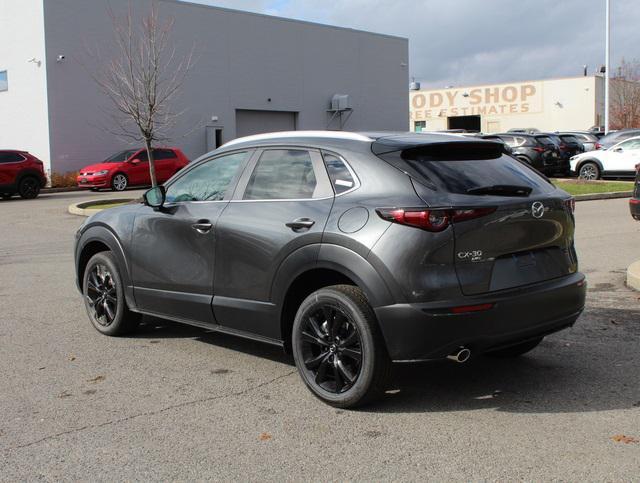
{"x": 152, "y": 164}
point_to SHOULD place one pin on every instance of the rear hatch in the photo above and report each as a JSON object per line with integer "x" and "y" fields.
{"x": 519, "y": 229}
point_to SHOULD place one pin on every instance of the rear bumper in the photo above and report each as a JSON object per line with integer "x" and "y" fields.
{"x": 634, "y": 208}
{"x": 427, "y": 331}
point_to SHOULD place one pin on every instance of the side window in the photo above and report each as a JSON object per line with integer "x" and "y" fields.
{"x": 11, "y": 158}
{"x": 339, "y": 174}
{"x": 630, "y": 144}
{"x": 207, "y": 182}
{"x": 163, "y": 154}
{"x": 282, "y": 174}
{"x": 142, "y": 156}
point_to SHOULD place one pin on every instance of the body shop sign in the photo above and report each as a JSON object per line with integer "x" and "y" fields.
{"x": 486, "y": 101}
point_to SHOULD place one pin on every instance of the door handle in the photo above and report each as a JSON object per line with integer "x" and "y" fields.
{"x": 202, "y": 227}
{"x": 300, "y": 224}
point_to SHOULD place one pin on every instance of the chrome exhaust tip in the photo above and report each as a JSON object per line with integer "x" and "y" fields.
{"x": 461, "y": 355}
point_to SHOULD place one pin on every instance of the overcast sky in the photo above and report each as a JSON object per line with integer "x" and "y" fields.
{"x": 464, "y": 42}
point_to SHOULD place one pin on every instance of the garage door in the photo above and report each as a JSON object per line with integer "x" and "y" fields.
{"x": 255, "y": 122}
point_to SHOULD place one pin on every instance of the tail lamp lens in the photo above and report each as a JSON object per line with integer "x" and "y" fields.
{"x": 431, "y": 220}
{"x": 598, "y": 146}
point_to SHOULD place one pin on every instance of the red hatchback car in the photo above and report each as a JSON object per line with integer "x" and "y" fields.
{"x": 21, "y": 173}
{"x": 131, "y": 168}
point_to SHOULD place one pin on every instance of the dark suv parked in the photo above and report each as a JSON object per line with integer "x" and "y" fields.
{"x": 20, "y": 173}
{"x": 542, "y": 154}
{"x": 349, "y": 250}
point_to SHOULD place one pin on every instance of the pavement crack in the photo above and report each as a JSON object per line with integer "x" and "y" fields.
{"x": 151, "y": 413}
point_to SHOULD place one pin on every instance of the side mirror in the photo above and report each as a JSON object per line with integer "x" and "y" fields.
{"x": 135, "y": 161}
{"x": 155, "y": 197}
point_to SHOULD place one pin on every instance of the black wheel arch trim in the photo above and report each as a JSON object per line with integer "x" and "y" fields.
{"x": 34, "y": 173}
{"x": 333, "y": 257}
{"x": 102, "y": 234}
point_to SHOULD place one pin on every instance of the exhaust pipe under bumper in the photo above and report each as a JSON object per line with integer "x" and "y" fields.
{"x": 460, "y": 355}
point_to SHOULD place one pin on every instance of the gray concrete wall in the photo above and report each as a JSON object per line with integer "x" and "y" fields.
{"x": 244, "y": 61}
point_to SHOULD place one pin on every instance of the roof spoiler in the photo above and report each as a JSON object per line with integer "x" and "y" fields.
{"x": 440, "y": 150}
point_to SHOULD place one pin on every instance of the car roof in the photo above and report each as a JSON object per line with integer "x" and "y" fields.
{"x": 391, "y": 139}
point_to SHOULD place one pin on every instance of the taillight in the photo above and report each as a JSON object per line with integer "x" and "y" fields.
{"x": 570, "y": 205}
{"x": 563, "y": 147}
{"x": 598, "y": 146}
{"x": 431, "y": 220}
{"x": 539, "y": 150}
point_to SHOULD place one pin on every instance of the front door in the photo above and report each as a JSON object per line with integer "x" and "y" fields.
{"x": 173, "y": 257}
{"x": 282, "y": 203}
{"x": 623, "y": 157}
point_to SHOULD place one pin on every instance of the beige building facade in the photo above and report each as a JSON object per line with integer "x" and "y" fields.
{"x": 573, "y": 103}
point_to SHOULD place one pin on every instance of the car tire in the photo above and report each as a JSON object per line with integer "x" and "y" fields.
{"x": 104, "y": 299}
{"x": 338, "y": 347}
{"x": 516, "y": 350}
{"x": 119, "y": 182}
{"x": 589, "y": 171}
{"x": 29, "y": 187}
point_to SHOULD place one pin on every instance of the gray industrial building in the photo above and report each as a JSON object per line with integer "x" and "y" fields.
{"x": 254, "y": 73}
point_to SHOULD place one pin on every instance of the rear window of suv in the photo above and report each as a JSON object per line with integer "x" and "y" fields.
{"x": 460, "y": 174}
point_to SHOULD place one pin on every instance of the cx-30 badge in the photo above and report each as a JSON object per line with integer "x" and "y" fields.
{"x": 537, "y": 209}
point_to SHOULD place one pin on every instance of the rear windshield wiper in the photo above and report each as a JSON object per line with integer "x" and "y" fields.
{"x": 501, "y": 190}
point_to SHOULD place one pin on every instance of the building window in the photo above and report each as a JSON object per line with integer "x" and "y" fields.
{"x": 418, "y": 126}
{"x": 4, "y": 82}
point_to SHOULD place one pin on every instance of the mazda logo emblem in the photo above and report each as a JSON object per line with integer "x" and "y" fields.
{"x": 537, "y": 209}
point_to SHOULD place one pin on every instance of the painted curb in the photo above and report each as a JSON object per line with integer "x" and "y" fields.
{"x": 79, "y": 210}
{"x": 633, "y": 276}
{"x": 604, "y": 196}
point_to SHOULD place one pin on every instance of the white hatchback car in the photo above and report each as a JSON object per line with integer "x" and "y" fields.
{"x": 619, "y": 160}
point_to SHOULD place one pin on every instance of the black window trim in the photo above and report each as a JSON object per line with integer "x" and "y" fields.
{"x": 319, "y": 169}
{"x": 228, "y": 196}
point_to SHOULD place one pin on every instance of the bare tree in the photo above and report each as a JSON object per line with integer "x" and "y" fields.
{"x": 625, "y": 95}
{"x": 142, "y": 79}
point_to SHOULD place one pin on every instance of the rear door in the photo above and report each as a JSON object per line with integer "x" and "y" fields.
{"x": 281, "y": 204}
{"x": 166, "y": 163}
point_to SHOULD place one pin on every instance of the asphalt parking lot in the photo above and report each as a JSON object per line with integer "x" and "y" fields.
{"x": 181, "y": 403}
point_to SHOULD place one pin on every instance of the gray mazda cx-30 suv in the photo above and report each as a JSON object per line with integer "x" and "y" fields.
{"x": 349, "y": 250}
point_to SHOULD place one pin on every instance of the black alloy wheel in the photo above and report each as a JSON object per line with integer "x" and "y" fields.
{"x": 29, "y": 188}
{"x": 338, "y": 347}
{"x": 331, "y": 348}
{"x": 102, "y": 296}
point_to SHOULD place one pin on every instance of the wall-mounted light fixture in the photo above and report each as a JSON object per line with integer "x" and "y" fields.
{"x": 33, "y": 60}
{"x": 61, "y": 58}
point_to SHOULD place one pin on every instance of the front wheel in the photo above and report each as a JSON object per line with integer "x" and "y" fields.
{"x": 589, "y": 171}
{"x": 338, "y": 348}
{"x": 119, "y": 182}
{"x": 104, "y": 296}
